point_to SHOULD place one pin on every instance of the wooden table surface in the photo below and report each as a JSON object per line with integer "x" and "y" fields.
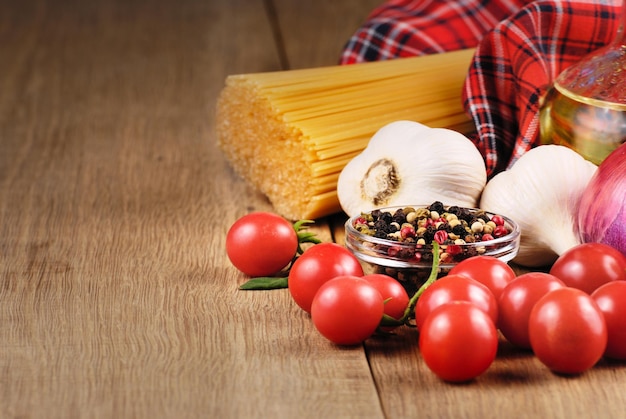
{"x": 116, "y": 296}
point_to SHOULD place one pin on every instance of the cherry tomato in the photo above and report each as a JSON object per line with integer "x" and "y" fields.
{"x": 347, "y": 310}
{"x": 458, "y": 341}
{"x": 518, "y": 299}
{"x": 589, "y": 265}
{"x": 455, "y": 288}
{"x": 611, "y": 298}
{"x": 394, "y": 294}
{"x": 261, "y": 244}
{"x": 488, "y": 270}
{"x": 567, "y": 331}
{"x": 318, "y": 264}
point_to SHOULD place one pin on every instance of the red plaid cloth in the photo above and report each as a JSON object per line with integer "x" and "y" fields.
{"x": 521, "y": 47}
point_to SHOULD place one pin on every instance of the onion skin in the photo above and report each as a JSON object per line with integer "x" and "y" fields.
{"x": 601, "y": 215}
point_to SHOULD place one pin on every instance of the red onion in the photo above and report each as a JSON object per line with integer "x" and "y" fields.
{"x": 601, "y": 215}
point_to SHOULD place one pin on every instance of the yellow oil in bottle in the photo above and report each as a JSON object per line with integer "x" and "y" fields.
{"x": 594, "y": 128}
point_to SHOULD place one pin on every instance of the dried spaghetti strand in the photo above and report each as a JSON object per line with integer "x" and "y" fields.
{"x": 290, "y": 133}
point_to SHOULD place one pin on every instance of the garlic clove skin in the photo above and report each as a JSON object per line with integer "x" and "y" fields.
{"x": 408, "y": 163}
{"x": 541, "y": 192}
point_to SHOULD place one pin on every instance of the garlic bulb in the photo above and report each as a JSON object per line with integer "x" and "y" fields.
{"x": 541, "y": 193}
{"x": 408, "y": 163}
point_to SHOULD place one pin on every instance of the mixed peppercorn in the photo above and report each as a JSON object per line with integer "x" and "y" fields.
{"x": 451, "y": 227}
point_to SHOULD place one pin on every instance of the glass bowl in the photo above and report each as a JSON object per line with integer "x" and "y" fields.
{"x": 409, "y": 259}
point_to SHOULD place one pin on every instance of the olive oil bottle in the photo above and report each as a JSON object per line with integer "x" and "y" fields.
{"x": 585, "y": 109}
{"x": 592, "y": 127}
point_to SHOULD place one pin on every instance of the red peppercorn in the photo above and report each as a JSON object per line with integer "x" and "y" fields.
{"x": 486, "y": 237}
{"x": 441, "y": 236}
{"x": 498, "y": 220}
{"x": 500, "y": 231}
{"x": 453, "y": 249}
{"x": 407, "y": 232}
{"x": 393, "y": 251}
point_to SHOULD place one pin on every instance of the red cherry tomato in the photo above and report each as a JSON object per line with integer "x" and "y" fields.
{"x": 318, "y": 264}
{"x": 458, "y": 341}
{"x": 589, "y": 265}
{"x": 455, "y": 288}
{"x": 518, "y": 299}
{"x": 611, "y": 298}
{"x": 261, "y": 244}
{"x": 394, "y": 294}
{"x": 488, "y": 270}
{"x": 347, "y": 310}
{"x": 567, "y": 331}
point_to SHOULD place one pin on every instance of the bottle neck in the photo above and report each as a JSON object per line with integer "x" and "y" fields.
{"x": 599, "y": 76}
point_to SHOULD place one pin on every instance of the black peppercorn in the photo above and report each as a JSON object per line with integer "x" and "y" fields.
{"x": 386, "y": 217}
{"x": 399, "y": 217}
{"x": 455, "y": 210}
{"x": 436, "y": 206}
{"x": 459, "y": 230}
{"x": 382, "y": 226}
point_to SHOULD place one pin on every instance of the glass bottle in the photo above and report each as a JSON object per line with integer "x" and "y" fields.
{"x": 585, "y": 109}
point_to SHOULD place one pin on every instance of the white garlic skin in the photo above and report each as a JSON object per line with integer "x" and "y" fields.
{"x": 541, "y": 192}
{"x": 430, "y": 164}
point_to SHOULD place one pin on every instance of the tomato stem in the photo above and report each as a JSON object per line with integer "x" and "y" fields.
{"x": 434, "y": 272}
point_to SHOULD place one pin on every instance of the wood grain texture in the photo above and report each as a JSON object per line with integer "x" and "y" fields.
{"x": 313, "y": 33}
{"x": 516, "y": 385}
{"x": 116, "y": 296}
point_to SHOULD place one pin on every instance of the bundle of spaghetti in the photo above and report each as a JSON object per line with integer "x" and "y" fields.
{"x": 290, "y": 133}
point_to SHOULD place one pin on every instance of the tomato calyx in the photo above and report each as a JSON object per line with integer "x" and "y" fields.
{"x": 304, "y": 236}
{"x": 279, "y": 281}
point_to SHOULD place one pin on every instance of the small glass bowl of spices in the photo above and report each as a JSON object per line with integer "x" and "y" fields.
{"x": 397, "y": 241}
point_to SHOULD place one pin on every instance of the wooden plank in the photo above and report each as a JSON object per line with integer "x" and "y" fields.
{"x": 116, "y": 296}
{"x": 516, "y": 385}
{"x": 314, "y": 33}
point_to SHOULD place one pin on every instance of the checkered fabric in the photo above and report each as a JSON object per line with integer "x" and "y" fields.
{"x": 521, "y": 47}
